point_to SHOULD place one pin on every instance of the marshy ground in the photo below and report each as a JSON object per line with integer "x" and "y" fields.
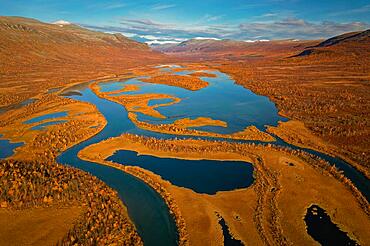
{"x": 270, "y": 211}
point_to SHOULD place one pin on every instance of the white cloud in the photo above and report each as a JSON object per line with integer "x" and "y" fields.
{"x": 162, "y": 6}
{"x": 205, "y": 38}
{"x": 298, "y": 28}
{"x": 61, "y": 23}
{"x": 290, "y": 28}
{"x": 158, "y": 42}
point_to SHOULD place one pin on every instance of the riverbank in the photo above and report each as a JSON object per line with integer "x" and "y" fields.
{"x": 263, "y": 213}
{"x": 79, "y": 121}
{"x": 158, "y": 187}
{"x": 187, "y": 82}
{"x": 82, "y": 121}
{"x": 82, "y": 204}
{"x": 328, "y": 95}
{"x": 294, "y": 132}
{"x": 249, "y": 133}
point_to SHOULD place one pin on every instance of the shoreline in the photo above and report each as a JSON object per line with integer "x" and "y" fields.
{"x": 135, "y": 141}
{"x": 287, "y": 130}
{"x": 166, "y": 196}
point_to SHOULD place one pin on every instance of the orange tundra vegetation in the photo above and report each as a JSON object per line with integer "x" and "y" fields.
{"x": 325, "y": 87}
{"x": 82, "y": 122}
{"x": 49, "y": 55}
{"x": 266, "y": 212}
{"x": 31, "y": 184}
{"x": 184, "y": 81}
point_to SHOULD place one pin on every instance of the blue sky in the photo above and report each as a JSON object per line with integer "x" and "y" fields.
{"x": 174, "y": 21}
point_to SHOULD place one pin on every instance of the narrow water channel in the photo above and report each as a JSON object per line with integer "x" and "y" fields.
{"x": 146, "y": 207}
{"x": 229, "y": 240}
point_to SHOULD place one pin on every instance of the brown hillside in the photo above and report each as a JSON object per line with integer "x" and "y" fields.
{"x": 209, "y": 49}
{"x": 345, "y": 46}
{"x": 35, "y": 56}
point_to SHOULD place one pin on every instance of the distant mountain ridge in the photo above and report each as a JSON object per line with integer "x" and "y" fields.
{"x": 347, "y": 37}
{"x": 35, "y": 56}
{"x": 62, "y": 33}
{"x": 234, "y": 49}
{"x": 204, "y": 45}
{"x": 353, "y": 42}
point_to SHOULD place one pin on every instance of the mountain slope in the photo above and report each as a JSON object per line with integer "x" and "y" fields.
{"x": 355, "y": 43}
{"x": 35, "y": 56}
{"x": 357, "y": 37}
{"x": 233, "y": 50}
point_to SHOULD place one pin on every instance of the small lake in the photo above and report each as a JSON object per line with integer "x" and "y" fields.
{"x": 202, "y": 176}
{"x": 7, "y": 147}
{"x": 323, "y": 230}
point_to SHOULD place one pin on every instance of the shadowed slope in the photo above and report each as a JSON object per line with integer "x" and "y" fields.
{"x": 354, "y": 44}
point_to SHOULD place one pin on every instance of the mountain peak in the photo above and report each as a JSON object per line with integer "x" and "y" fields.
{"x": 61, "y": 23}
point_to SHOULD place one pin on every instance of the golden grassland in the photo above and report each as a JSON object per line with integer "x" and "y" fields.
{"x": 200, "y": 121}
{"x": 271, "y": 211}
{"x": 83, "y": 121}
{"x": 184, "y": 81}
{"x": 203, "y": 74}
{"x": 296, "y": 133}
{"x": 36, "y": 200}
{"x": 177, "y": 128}
{"x": 325, "y": 95}
{"x": 139, "y": 103}
{"x": 36, "y": 226}
{"x": 126, "y": 88}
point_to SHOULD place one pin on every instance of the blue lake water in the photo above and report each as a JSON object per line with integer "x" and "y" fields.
{"x": 7, "y": 147}
{"x": 228, "y": 238}
{"x": 44, "y": 125}
{"x": 323, "y": 230}
{"x": 110, "y": 86}
{"x": 202, "y": 176}
{"x": 153, "y": 102}
{"x": 221, "y": 100}
{"x": 46, "y": 117}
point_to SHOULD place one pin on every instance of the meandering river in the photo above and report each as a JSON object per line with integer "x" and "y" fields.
{"x": 146, "y": 208}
